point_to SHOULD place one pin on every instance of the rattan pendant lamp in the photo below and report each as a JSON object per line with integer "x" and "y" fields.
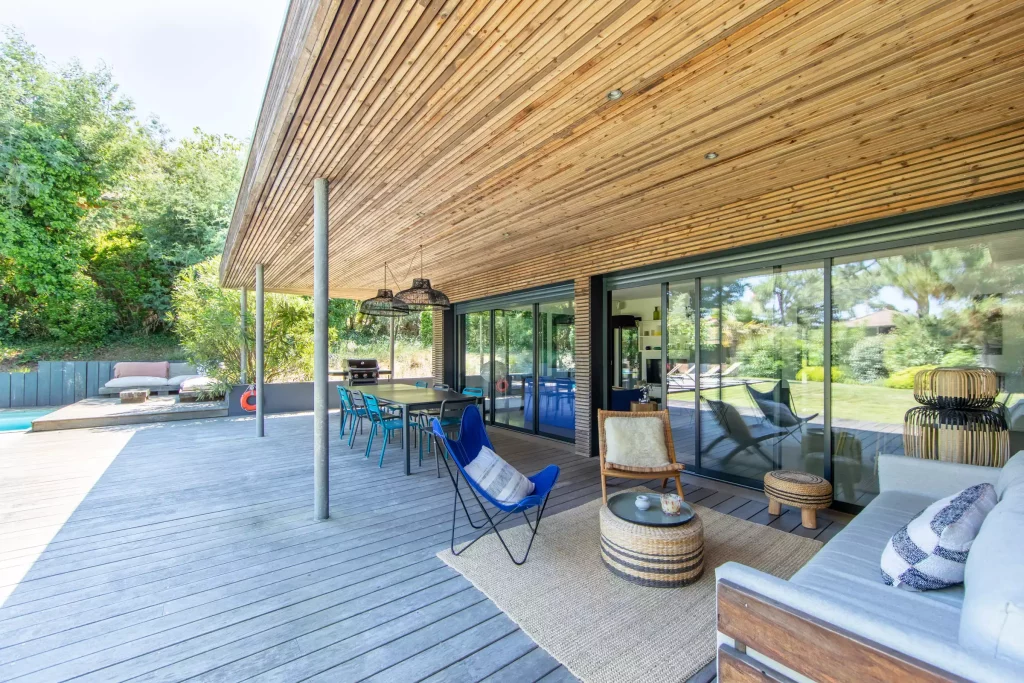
{"x": 385, "y": 304}
{"x": 421, "y": 296}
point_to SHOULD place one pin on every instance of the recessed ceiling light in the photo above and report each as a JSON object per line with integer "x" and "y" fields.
{"x": 614, "y": 95}
{"x": 711, "y": 155}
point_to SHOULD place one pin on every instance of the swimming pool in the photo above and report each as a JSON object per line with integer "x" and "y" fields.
{"x": 18, "y": 419}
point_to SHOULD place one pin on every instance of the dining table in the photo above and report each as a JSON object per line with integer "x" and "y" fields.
{"x": 409, "y": 398}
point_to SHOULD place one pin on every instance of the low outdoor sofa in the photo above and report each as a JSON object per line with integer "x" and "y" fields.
{"x": 159, "y": 377}
{"x": 835, "y": 619}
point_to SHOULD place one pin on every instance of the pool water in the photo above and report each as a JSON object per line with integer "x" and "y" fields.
{"x": 19, "y": 419}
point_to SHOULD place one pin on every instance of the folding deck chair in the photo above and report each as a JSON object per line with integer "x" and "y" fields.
{"x": 472, "y": 437}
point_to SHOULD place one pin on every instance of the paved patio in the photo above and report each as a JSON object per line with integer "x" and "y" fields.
{"x": 187, "y": 550}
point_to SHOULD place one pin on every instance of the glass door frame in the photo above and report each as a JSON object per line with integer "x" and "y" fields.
{"x": 460, "y": 364}
{"x": 968, "y": 220}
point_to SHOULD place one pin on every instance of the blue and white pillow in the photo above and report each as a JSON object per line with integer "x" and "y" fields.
{"x": 504, "y": 483}
{"x": 931, "y": 551}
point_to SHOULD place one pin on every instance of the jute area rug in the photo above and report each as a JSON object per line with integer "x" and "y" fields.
{"x": 603, "y": 628}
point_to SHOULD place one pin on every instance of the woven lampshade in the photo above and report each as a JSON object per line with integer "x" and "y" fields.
{"x": 975, "y": 437}
{"x": 422, "y": 296}
{"x": 970, "y": 388}
{"x": 384, "y": 305}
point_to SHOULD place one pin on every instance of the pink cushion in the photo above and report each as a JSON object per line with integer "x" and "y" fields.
{"x": 136, "y": 369}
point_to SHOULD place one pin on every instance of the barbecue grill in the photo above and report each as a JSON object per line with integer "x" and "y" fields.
{"x": 362, "y": 371}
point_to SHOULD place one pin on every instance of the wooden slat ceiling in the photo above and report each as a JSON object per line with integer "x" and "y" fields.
{"x": 482, "y": 130}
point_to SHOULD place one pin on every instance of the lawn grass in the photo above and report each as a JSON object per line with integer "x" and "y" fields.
{"x": 866, "y": 402}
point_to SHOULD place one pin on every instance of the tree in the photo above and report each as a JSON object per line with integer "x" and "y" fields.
{"x": 187, "y": 212}
{"x": 64, "y": 138}
{"x": 208, "y": 322}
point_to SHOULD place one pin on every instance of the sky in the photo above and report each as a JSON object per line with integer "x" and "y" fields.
{"x": 190, "y": 62}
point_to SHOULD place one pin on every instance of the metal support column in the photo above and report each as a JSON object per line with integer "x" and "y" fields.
{"x": 242, "y": 351}
{"x": 259, "y": 349}
{"x": 321, "y": 297}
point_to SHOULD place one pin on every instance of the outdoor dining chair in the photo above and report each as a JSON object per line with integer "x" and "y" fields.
{"x": 462, "y": 451}
{"x": 386, "y": 422}
{"x": 735, "y": 429}
{"x": 351, "y": 413}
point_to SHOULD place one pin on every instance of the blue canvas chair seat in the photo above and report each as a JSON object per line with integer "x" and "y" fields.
{"x": 462, "y": 451}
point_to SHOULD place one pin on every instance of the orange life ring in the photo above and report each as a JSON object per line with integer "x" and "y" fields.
{"x": 249, "y": 399}
{"x": 502, "y": 385}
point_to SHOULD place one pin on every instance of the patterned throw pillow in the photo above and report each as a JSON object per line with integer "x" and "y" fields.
{"x": 503, "y": 482}
{"x": 931, "y": 551}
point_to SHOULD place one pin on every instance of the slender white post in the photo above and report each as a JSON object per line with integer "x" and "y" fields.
{"x": 259, "y": 349}
{"x": 242, "y": 360}
{"x": 321, "y": 296}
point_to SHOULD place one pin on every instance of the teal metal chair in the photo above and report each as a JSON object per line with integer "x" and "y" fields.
{"x": 473, "y": 391}
{"x": 385, "y": 422}
{"x": 421, "y": 384}
{"x": 351, "y": 414}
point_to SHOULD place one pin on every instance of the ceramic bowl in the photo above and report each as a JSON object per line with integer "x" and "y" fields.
{"x": 642, "y": 503}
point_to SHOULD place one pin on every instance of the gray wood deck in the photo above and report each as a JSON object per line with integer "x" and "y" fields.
{"x": 187, "y": 550}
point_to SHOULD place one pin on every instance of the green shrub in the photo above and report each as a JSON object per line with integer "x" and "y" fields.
{"x": 959, "y": 358}
{"x": 904, "y": 379}
{"x": 915, "y": 342}
{"x": 816, "y": 373}
{"x": 867, "y": 359}
{"x": 207, "y": 320}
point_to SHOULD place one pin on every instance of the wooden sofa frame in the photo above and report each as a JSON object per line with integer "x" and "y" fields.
{"x": 805, "y": 644}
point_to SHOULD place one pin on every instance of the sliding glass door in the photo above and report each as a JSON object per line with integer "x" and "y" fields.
{"x": 807, "y": 362}
{"x": 556, "y": 376}
{"x": 476, "y": 344}
{"x": 760, "y": 379}
{"x": 512, "y": 373}
{"x": 521, "y": 354}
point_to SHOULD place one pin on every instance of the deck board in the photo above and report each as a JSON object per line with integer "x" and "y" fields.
{"x": 188, "y": 550}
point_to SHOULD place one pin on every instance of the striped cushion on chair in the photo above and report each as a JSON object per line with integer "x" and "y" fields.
{"x": 503, "y": 482}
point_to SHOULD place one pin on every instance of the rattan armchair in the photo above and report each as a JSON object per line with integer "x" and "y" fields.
{"x": 671, "y": 470}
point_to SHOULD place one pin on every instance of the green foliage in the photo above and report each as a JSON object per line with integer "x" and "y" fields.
{"x": 904, "y": 378}
{"x": 427, "y": 328}
{"x": 208, "y": 322}
{"x": 130, "y": 279}
{"x": 867, "y": 358}
{"x": 960, "y": 358}
{"x": 916, "y": 341}
{"x": 816, "y": 373}
{"x": 98, "y": 212}
{"x": 186, "y": 217}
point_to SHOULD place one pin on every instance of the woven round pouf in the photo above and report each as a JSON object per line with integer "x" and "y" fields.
{"x": 663, "y": 557}
{"x": 803, "y": 490}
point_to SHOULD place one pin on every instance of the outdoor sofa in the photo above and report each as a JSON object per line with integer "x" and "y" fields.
{"x": 836, "y": 620}
{"x": 159, "y": 377}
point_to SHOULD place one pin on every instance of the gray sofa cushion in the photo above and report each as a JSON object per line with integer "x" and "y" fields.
{"x": 846, "y": 572}
{"x": 992, "y": 621}
{"x": 1012, "y": 474}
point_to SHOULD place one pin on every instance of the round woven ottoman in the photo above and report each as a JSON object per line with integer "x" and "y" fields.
{"x": 663, "y": 557}
{"x": 803, "y": 490}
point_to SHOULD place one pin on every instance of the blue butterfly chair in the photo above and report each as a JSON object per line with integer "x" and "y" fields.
{"x": 472, "y": 437}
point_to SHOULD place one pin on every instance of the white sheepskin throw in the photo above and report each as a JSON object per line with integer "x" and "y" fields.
{"x": 635, "y": 441}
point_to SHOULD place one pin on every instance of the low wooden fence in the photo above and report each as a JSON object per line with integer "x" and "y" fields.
{"x": 55, "y": 383}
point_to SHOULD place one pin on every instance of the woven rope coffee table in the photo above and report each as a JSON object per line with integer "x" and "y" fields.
{"x": 803, "y": 490}
{"x": 649, "y": 548}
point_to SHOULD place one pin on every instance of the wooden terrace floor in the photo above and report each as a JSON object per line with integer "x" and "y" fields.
{"x": 187, "y": 550}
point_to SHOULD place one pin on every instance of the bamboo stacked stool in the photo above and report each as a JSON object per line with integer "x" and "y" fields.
{"x": 803, "y": 490}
